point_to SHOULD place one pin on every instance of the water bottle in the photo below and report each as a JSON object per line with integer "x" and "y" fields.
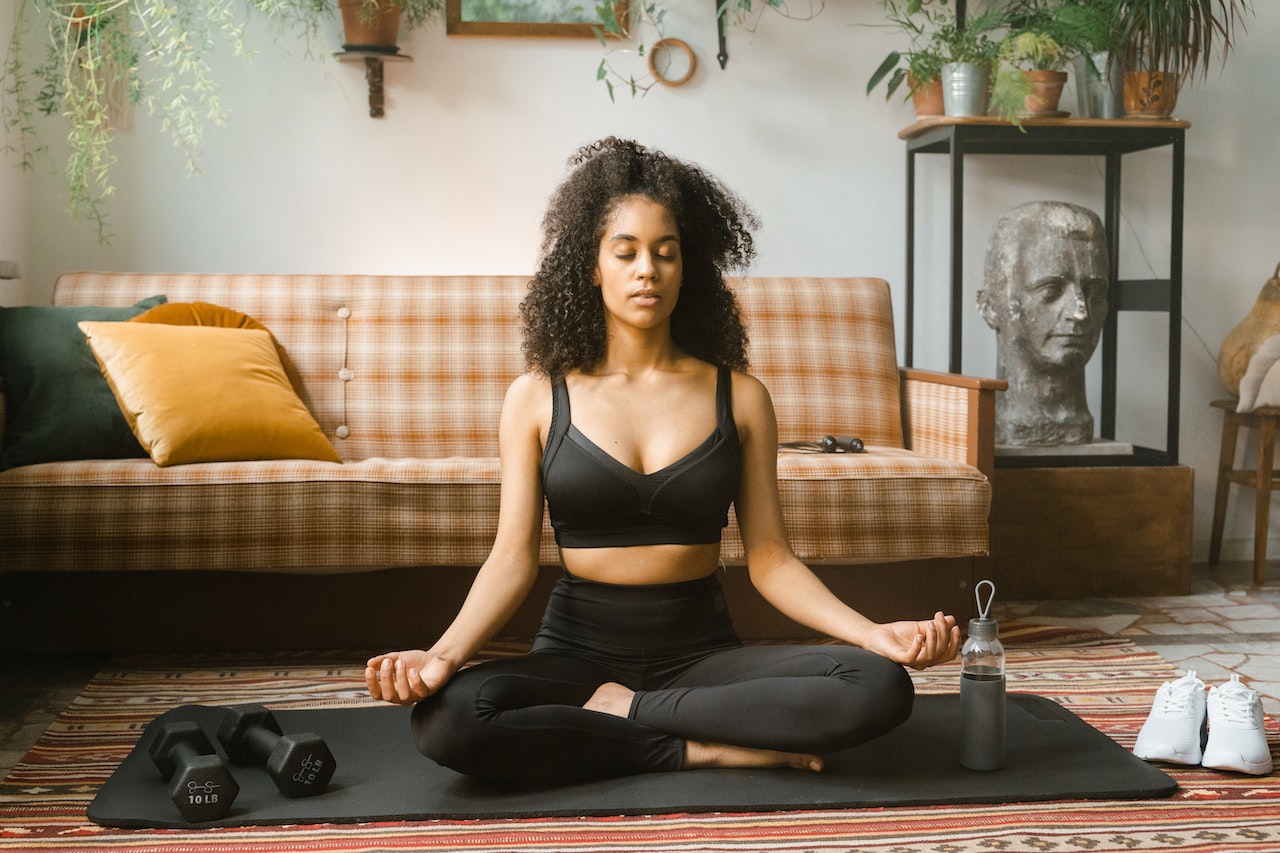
{"x": 982, "y": 710}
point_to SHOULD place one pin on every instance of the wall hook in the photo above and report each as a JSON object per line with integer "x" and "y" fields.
{"x": 722, "y": 10}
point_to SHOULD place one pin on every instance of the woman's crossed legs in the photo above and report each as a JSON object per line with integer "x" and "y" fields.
{"x": 523, "y": 719}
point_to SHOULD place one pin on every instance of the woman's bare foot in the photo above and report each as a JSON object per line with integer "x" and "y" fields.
{"x": 698, "y": 754}
{"x": 611, "y": 698}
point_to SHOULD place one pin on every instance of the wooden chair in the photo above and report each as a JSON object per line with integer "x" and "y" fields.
{"x": 1261, "y": 478}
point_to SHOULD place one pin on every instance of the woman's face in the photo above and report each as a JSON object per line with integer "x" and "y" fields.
{"x": 639, "y": 267}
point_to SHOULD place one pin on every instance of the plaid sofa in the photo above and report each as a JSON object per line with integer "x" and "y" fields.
{"x": 406, "y": 376}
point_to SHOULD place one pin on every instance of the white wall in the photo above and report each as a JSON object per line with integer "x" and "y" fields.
{"x": 477, "y": 132}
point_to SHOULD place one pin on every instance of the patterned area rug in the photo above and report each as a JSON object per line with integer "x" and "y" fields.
{"x": 1105, "y": 680}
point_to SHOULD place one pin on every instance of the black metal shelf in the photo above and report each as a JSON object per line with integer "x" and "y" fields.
{"x": 1108, "y": 138}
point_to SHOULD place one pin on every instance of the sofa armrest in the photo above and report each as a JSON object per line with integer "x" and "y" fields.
{"x": 951, "y": 416}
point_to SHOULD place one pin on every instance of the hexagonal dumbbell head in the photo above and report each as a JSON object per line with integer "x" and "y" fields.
{"x": 300, "y": 764}
{"x": 200, "y": 784}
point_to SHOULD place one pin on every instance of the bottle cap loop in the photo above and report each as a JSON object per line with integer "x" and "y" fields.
{"x": 983, "y": 609}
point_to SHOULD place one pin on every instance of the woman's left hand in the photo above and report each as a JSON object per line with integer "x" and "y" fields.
{"x": 917, "y": 644}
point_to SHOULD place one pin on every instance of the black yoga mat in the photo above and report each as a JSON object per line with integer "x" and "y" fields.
{"x": 1053, "y": 754}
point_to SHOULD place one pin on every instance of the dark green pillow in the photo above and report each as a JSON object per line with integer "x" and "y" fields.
{"x": 58, "y": 405}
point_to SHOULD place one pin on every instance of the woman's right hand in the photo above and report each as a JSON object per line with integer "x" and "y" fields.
{"x": 408, "y": 677}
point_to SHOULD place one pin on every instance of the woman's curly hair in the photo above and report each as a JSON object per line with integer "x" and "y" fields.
{"x": 563, "y": 312}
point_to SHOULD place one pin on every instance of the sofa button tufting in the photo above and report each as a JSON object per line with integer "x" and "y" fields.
{"x": 342, "y": 431}
{"x": 344, "y": 312}
{"x": 346, "y": 374}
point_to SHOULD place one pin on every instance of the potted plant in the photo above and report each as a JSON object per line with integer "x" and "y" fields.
{"x": 1030, "y": 78}
{"x": 375, "y": 24}
{"x": 920, "y": 66}
{"x": 969, "y": 52}
{"x": 1091, "y": 32}
{"x": 1166, "y": 42}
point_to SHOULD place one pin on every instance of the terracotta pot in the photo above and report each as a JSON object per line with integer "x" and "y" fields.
{"x": 927, "y": 98}
{"x": 1150, "y": 94}
{"x": 1046, "y": 92}
{"x": 379, "y": 32}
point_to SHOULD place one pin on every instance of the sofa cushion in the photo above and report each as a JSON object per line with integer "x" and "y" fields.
{"x": 58, "y": 405}
{"x": 286, "y": 515}
{"x": 205, "y": 393}
{"x": 885, "y": 504}
{"x": 299, "y": 516}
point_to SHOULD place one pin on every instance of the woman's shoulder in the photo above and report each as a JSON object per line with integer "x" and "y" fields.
{"x": 530, "y": 392}
{"x": 747, "y": 388}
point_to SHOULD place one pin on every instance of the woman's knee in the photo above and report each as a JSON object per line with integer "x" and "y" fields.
{"x": 898, "y": 690}
{"x": 434, "y": 735}
{"x": 450, "y": 735}
{"x": 880, "y": 693}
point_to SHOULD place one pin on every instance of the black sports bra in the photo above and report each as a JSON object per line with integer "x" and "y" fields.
{"x": 598, "y": 502}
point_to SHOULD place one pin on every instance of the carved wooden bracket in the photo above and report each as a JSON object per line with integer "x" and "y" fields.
{"x": 373, "y": 60}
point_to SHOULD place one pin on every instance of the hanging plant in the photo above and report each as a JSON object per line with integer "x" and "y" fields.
{"x": 154, "y": 51}
{"x": 103, "y": 55}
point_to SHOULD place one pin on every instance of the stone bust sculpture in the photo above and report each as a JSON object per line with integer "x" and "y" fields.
{"x": 1045, "y": 294}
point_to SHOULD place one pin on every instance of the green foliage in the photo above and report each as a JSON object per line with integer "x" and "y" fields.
{"x": 102, "y": 57}
{"x": 972, "y": 42}
{"x": 1179, "y": 35}
{"x": 1033, "y": 51}
{"x": 921, "y": 22}
{"x": 1009, "y": 90}
{"x": 611, "y": 29}
{"x": 1088, "y": 26}
{"x": 1182, "y": 36}
{"x": 1022, "y": 49}
{"x": 934, "y": 39}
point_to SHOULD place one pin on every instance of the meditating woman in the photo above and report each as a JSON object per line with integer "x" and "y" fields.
{"x": 638, "y": 426}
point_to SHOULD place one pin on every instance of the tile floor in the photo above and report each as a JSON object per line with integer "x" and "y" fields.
{"x": 1225, "y": 625}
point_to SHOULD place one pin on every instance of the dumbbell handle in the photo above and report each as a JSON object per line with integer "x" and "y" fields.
{"x": 261, "y": 741}
{"x": 184, "y": 754}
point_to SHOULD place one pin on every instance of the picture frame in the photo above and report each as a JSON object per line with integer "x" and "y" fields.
{"x": 548, "y": 18}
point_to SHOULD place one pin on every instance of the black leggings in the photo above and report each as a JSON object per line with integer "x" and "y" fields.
{"x": 521, "y": 719}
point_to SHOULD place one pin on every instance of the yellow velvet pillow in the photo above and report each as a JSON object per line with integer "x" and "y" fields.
{"x": 208, "y": 314}
{"x": 205, "y": 393}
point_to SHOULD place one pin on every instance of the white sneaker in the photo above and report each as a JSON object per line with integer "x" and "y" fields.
{"x": 1237, "y": 739}
{"x": 1175, "y": 728}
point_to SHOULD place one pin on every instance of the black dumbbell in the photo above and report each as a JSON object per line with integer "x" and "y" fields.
{"x": 301, "y": 765}
{"x": 200, "y": 785}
